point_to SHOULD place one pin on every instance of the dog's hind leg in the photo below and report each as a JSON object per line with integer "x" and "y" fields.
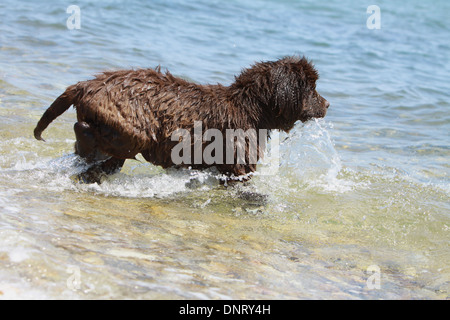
{"x": 100, "y": 164}
{"x": 86, "y": 144}
{"x": 98, "y": 170}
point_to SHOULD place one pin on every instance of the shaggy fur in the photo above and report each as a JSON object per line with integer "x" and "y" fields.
{"x": 123, "y": 113}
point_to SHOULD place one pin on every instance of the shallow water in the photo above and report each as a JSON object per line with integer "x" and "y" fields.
{"x": 365, "y": 188}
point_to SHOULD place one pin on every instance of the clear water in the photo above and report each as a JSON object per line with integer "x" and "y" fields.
{"x": 366, "y": 186}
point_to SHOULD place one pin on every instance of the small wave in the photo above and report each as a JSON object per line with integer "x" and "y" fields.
{"x": 159, "y": 185}
{"x": 141, "y": 181}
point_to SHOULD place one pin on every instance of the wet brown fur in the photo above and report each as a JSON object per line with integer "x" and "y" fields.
{"x": 123, "y": 113}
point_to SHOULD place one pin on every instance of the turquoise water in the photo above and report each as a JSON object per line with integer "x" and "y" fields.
{"x": 366, "y": 186}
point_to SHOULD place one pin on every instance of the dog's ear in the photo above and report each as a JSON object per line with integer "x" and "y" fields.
{"x": 287, "y": 94}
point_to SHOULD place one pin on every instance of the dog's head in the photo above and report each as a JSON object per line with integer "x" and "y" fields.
{"x": 294, "y": 95}
{"x": 285, "y": 91}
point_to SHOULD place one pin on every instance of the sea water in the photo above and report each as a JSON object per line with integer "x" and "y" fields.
{"x": 356, "y": 208}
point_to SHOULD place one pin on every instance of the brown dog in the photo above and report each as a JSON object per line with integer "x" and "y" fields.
{"x": 123, "y": 113}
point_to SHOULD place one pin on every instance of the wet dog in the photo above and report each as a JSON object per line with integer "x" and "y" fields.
{"x": 123, "y": 113}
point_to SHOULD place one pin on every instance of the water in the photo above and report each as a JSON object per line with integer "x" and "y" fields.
{"x": 366, "y": 187}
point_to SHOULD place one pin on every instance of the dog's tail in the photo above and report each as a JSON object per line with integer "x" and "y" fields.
{"x": 61, "y": 104}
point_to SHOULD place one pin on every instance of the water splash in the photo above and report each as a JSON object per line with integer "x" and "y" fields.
{"x": 305, "y": 157}
{"x": 308, "y": 158}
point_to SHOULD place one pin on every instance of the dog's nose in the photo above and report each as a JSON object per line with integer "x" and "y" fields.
{"x": 327, "y": 104}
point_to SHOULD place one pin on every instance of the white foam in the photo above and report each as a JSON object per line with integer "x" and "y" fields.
{"x": 18, "y": 254}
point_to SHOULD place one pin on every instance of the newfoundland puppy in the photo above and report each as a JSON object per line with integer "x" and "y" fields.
{"x": 176, "y": 123}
